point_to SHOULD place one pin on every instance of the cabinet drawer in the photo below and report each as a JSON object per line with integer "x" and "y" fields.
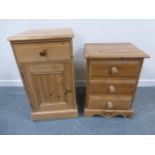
{"x": 40, "y": 52}
{"x": 114, "y": 68}
{"x": 117, "y": 102}
{"x": 112, "y": 86}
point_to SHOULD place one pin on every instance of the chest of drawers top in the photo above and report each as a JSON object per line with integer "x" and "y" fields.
{"x": 113, "y": 50}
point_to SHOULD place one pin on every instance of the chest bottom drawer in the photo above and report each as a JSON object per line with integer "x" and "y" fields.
{"x": 114, "y": 102}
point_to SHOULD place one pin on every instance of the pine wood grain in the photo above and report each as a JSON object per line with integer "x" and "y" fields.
{"x": 113, "y": 70}
{"x": 43, "y": 34}
{"x": 45, "y": 62}
{"x": 118, "y": 102}
{"x": 43, "y": 51}
{"x": 125, "y": 86}
{"x": 108, "y": 113}
{"x": 103, "y": 68}
{"x": 113, "y": 50}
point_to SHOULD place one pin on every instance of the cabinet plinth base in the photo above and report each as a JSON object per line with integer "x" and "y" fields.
{"x": 48, "y": 115}
{"x": 108, "y": 113}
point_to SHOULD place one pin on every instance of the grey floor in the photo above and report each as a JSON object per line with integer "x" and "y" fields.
{"x": 15, "y": 117}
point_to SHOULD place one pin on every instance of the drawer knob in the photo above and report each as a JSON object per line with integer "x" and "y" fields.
{"x": 43, "y": 53}
{"x": 112, "y": 89}
{"x": 109, "y": 105}
{"x": 67, "y": 91}
{"x": 114, "y": 70}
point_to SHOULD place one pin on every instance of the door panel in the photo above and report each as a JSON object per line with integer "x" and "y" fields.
{"x": 50, "y": 85}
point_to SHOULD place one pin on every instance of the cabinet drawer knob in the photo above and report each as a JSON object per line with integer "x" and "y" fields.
{"x": 43, "y": 53}
{"x": 112, "y": 89}
{"x": 109, "y": 105}
{"x": 67, "y": 91}
{"x": 114, "y": 70}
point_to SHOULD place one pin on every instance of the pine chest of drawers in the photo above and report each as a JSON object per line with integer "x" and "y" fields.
{"x": 113, "y": 71}
{"x": 45, "y": 62}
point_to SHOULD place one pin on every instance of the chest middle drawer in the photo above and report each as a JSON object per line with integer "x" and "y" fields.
{"x": 114, "y": 68}
{"x": 112, "y": 86}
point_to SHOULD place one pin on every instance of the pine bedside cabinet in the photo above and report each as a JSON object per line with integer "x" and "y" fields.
{"x": 113, "y": 71}
{"x": 45, "y": 62}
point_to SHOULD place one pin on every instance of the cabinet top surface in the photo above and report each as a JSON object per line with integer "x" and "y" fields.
{"x": 43, "y": 34}
{"x": 113, "y": 50}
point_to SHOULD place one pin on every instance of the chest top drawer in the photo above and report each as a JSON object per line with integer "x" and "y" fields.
{"x": 43, "y": 51}
{"x": 114, "y": 68}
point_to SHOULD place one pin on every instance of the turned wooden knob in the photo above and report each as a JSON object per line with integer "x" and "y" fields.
{"x": 114, "y": 70}
{"x": 112, "y": 89}
{"x": 43, "y": 53}
{"x": 109, "y": 104}
{"x": 67, "y": 91}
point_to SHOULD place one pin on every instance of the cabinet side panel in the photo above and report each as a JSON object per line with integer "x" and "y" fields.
{"x": 22, "y": 78}
{"x": 137, "y": 79}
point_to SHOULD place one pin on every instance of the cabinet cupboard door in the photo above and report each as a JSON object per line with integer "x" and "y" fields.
{"x": 49, "y": 85}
